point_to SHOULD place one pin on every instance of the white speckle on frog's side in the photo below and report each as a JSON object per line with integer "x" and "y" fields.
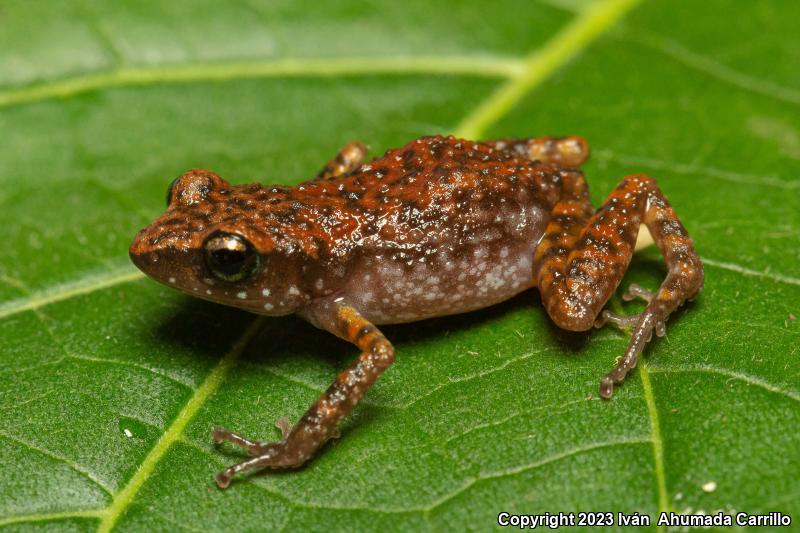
{"x": 172, "y": 280}
{"x": 208, "y": 291}
{"x": 319, "y": 284}
{"x": 293, "y": 291}
{"x": 242, "y": 295}
{"x": 209, "y": 281}
{"x": 339, "y": 299}
{"x": 265, "y": 292}
{"x": 711, "y": 486}
{"x": 269, "y": 307}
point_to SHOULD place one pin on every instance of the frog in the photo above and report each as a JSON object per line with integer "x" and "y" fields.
{"x": 439, "y": 226}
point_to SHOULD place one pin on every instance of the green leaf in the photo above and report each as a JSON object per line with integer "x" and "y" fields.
{"x": 111, "y": 383}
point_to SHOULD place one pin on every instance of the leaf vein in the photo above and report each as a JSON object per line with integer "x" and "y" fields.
{"x": 531, "y": 466}
{"x": 747, "y": 378}
{"x": 489, "y": 371}
{"x": 693, "y": 169}
{"x": 585, "y": 28}
{"x": 79, "y": 468}
{"x": 780, "y": 278}
{"x": 43, "y": 517}
{"x": 131, "y": 364}
{"x": 719, "y": 71}
{"x": 480, "y": 66}
{"x": 65, "y": 291}
{"x": 656, "y": 439}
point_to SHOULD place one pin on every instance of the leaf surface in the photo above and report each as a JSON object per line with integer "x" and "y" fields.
{"x": 111, "y": 383}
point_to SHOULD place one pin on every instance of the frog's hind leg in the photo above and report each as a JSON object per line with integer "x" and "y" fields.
{"x": 319, "y": 423}
{"x": 572, "y": 151}
{"x": 575, "y": 288}
{"x": 347, "y": 160}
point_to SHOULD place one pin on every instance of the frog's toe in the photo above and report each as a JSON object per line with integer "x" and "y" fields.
{"x": 637, "y": 291}
{"x": 618, "y": 320}
{"x": 222, "y": 479}
{"x": 285, "y": 425}
{"x": 645, "y": 323}
{"x": 220, "y": 435}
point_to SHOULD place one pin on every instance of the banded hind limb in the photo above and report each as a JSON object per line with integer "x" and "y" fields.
{"x": 582, "y": 259}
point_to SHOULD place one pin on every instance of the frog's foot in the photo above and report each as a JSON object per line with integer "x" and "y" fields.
{"x": 651, "y": 319}
{"x": 262, "y": 454}
{"x": 634, "y": 291}
{"x": 277, "y": 455}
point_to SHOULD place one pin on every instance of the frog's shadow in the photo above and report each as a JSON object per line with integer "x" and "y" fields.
{"x": 206, "y": 329}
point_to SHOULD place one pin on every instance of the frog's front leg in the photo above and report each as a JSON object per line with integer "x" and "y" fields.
{"x": 320, "y": 421}
{"x": 348, "y": 159}
{"x": 576, "y": 281}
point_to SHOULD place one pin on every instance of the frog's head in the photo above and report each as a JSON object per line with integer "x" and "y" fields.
{"x": 217, "y": 242}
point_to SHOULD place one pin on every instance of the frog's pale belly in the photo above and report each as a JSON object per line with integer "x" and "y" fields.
{"x": 395, "y": 288}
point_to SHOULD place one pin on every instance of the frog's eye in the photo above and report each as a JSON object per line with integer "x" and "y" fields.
{"x": 230, "y": 257}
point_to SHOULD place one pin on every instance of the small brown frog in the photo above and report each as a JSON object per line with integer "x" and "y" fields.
{"x": 437, "y": 227}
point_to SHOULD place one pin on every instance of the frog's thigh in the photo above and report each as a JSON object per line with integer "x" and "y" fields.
{"x": 570, "y": 151}
{"x": 348, "y": 159}
{"x": 320, "y": 421}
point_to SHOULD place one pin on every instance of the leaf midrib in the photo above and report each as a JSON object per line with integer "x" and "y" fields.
{"x": 480, "y": 66}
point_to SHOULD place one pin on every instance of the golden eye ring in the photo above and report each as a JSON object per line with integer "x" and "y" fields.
{"x": 230, "y": 257}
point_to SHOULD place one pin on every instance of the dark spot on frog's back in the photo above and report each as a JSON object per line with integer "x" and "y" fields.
{"x": 245, "y": 204}
{"x": 409, "y": 158}
{"x": 437, "y": 150}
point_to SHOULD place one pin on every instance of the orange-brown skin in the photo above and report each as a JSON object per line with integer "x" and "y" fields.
{"x": 437, "y": 227}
